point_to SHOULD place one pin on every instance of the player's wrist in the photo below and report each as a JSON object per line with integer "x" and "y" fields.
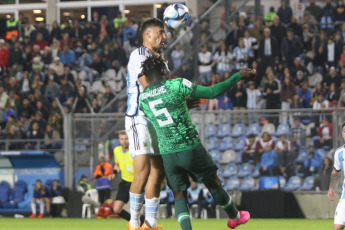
{"x": 115, "y": 172}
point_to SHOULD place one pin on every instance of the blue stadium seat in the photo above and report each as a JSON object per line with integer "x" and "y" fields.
{"x": 224, "y": 130}
{"x": 282, "y": 129}
{"x": 212, "y": 143}
{"x": 269, "y": 128}
{"x": 248, "y": 184}
{"x": 230, "y": 170}
{"x": 232, "y": 184}
{"x": 220, "y": 170}
{"x": 282, "y": 182}
{"x": 321, "y": 153}
{"x": 240, "y": 143}
{"x": 228, "y": 156}
{"x": 210, "y": 130}
{"x": 49, "y": 183}
{"x": 17, "y": 195}
{"x": 293, "y": 184}
{"x": 245, "y": 170}
{"x": 238, "y": 159}
{"x": 256, "y": 172}
{"x": 215, "y": 154}
{"x": 254, "y": 128}
{"x": 302, "y": 156}
{"x": 238, "y": 130}
{"x": 227, "y": 143}
{"x": 313, "y": 139}
{"x": 308, "y": 183}
{"x": 5, "y": 191}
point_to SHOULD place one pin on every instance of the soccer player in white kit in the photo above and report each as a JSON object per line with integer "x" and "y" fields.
{"x": 339, "y": 161}
{"x": 143, "y": 144}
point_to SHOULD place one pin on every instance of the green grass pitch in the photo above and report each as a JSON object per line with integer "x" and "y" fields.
{"x": 169, "y": 224}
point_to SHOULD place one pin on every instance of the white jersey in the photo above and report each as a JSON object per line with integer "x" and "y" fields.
{"x": 339, "y": 162}
{"x": 133, "y": 86}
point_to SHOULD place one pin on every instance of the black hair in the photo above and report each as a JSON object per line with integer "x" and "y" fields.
{"x": 153, "y": 68}
{"x": 343, "y": 125}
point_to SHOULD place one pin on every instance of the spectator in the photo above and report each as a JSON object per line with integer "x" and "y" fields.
{"x": 231, "y": 40}
{"x": 4, "y": 55}
{"x": 222, "y": 58}
{"x": 310, "y": 21}
{"x": 77, "y": 30}
{"x": 185, "y": 71}
{"x": 320, "y": 103}
{"x": 41, "y": 109}
{"x": 103, "y": 184}
{"x": 311, "y": 165}
{"x": 41, "y": 196}
{"x": 11, "y": 122}
{"x": 286, "y": 160}
{"x": 269, "y": 162}
{"x": 325, "y": 132}
{"x": 83, "y": 102}
{"x": 314, "y": 9}
{"x": 164, "y": 196}
{"x": 196, "y": 197}
{"x": 249, "y": 151}
{"x": 24, "y": 125}
{"x": 305, "y": 95}
{"x": 40, "y": 42}
{"x": 271, "y": 91}
{"x": 280, "y": 144}
{"x": 296, "y": 27}
{"x": 269, "y": 17}
{"x": 66, "y": 90}
{"x": 52, "y": 139}
{"x": 320, "y": 59}
{"x": 205, "y": 61}
{"x": 252, "y": 44}
{"x": 238, "y": 97}
{"x": 332, "y": 60}
{"x": 278, "y": 31}
{"x": 287, "y": 92}
{"x": 258, "y": 30}
{"x": 241, "y": 55}
{"x": 67, "y": 56}
{"x": 35, "y": 134}
{"x": 57, "y": 199}
{"x": 12, "y": 135}
{"x": 290, "y": 48}
{"x": 84, "y": 186}
{"x": 118, "y": 54}
{"x": 57, "y": 66}
{"x": 298, "y": 132}
{"x": 268, "y": 47}
{"x": 323, "y": 177}
{"x": 284, "y": 12}
{"x": 15, "y": 60}
{"x": 52, "y": 90}
{"x": 327, "y": 16}
{"x": 253, "y": 100}
{"x": 55, "y": 32}
{"x": 41, "y": 29}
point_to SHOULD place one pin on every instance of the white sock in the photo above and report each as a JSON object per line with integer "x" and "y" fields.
{"x": 151, "y": 210}
{"x": 33, "y": 207}
{"x": 136, "y": 203}
{"x": 238, "y": 215}
{"x": 42, "y": 207}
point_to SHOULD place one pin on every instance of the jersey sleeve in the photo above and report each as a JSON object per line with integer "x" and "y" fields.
{"x": 185, "y": 86}
{"x": 336, "y": 161}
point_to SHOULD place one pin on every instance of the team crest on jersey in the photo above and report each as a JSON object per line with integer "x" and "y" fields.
{"x": 187, "y": 83}
{"x": 145, "y": 144}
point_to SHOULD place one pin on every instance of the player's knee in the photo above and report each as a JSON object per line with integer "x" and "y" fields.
{"x": 213, "y": 182}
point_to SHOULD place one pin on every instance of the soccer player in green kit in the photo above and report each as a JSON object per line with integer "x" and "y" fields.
{"x": 163, "y": 102}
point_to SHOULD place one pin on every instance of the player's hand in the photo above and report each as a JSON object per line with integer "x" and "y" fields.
{"x": 112, "y": 176}
{"x": 330, "y": 194}
{"x": 192, "y": 102}
{"x": 248, "y": 74}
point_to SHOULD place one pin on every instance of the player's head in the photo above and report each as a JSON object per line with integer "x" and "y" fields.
{"x": 154, "y": 68}
{"x": 123, "y": 138}
{"x": 153, "y": 33}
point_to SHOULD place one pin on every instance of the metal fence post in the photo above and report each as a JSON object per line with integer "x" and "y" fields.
{"x": 68, "y": 157}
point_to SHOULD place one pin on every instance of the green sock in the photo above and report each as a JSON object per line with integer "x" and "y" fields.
{"x": 182, "y": 213}
{"x": 222, "y": 198}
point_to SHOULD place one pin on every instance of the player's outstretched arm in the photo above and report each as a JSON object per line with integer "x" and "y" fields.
{"x": 220, "y": 88}
{"x": 334, "y": 180}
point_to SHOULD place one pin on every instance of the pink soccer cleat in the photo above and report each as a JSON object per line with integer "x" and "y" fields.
{"x": 244, "y": 217}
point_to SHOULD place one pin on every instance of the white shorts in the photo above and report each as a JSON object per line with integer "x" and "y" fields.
{"x": 339, "y": 215}
{"x": 141, "y": 136}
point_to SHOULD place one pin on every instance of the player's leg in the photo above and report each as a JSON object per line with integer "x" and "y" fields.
{"x": 338, "y": 227}
{"x": 47, "y": 202}
{"x": 33, "y": 208}
{"x": 178, "y": 181}
{"x": 152, "y": 190}
{"x": 339, "y": 220}
{"x": 122, "y": 197}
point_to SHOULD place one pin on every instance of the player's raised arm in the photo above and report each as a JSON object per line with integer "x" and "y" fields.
{"x": 220, "y": 88}
{"x": 334, "y": 180}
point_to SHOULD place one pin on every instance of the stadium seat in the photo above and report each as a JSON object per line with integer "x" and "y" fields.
{"x": 226, "y": 144}
{"x": 238, "y": 159}
{"x": 220, "y": 170}
{"x": 196, "y": 118}
{"x": 240, "y": 143}
{"x": 254, "y": 128}
{"x": 110, "y": 74}
{"x": 313, "y": 139}
{"x": 232, "y": 184}
{"x": 282, "y": 182}
{"x": 224, "y": 130}
{"x": 302, "y": 156}
{"x": 269, "y": 128}
{"x": 245, "y": 170}
{"x": 49, "y": 183}
{"x": 210, "y": 130}
{"x": 238, "y": 130}
{"x": 86, "y": 209}
{"x": 17, "y": 195}
{"x": 230, "y": 170}
{"x": 248, "y": 184}
{"x": 216, "y": 156}
{"x": 5, "y": 191}
{"x": 212, "y": 143}
{"x": 228, "y": 156}
{"x": 321, "y": 153}
{"x": 256, "y": 172}
{"x": 210, "y": 118}
{"x": 282, "y": 129}
{"x": 308, "y": 183}
{"x": 293, "y": 184}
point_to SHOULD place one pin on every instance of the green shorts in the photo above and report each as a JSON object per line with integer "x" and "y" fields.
{"x": 196, "y": 163}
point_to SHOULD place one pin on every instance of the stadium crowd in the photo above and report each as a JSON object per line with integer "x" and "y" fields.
{"x": 300, "y": 64}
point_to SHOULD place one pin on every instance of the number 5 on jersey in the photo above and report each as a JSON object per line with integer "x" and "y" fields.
{"x": 159, "y": 112}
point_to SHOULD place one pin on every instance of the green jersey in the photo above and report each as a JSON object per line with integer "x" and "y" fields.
{"x": 165, "y": 105}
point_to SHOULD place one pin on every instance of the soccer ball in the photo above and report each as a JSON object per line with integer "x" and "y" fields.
{"x": 176, "y": 16}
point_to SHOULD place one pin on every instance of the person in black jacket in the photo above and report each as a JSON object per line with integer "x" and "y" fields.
{"x": 291, "y": 47}
{"x": 238, "y": 97}
{"x": 267, "y": 50}
{"x": 323, "y": 177}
